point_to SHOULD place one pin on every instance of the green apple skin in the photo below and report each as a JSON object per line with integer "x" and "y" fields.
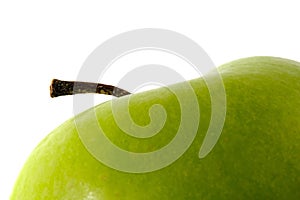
{"x": 256, "y": 157}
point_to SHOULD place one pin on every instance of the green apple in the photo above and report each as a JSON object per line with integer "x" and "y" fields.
{"x": 257, "y": 155}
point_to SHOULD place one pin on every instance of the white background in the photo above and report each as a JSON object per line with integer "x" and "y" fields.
{"x": 44, "y": 40}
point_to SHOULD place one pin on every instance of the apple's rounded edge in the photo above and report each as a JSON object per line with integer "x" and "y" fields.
{"x": 260, "y": 60}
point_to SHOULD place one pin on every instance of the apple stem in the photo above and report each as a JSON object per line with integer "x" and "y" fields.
{"x": 62, "y": 88}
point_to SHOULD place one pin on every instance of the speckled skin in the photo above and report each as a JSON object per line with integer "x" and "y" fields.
{"x": 256, "y": 157}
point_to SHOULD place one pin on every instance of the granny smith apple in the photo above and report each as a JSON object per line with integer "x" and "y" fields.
{"x": 257, "y": 155}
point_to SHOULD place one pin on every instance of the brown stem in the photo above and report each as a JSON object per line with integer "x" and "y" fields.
{"x": 61, "y": 88}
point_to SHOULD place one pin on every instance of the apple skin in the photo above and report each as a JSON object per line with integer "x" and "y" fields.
{"x": 256, "y": 156}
